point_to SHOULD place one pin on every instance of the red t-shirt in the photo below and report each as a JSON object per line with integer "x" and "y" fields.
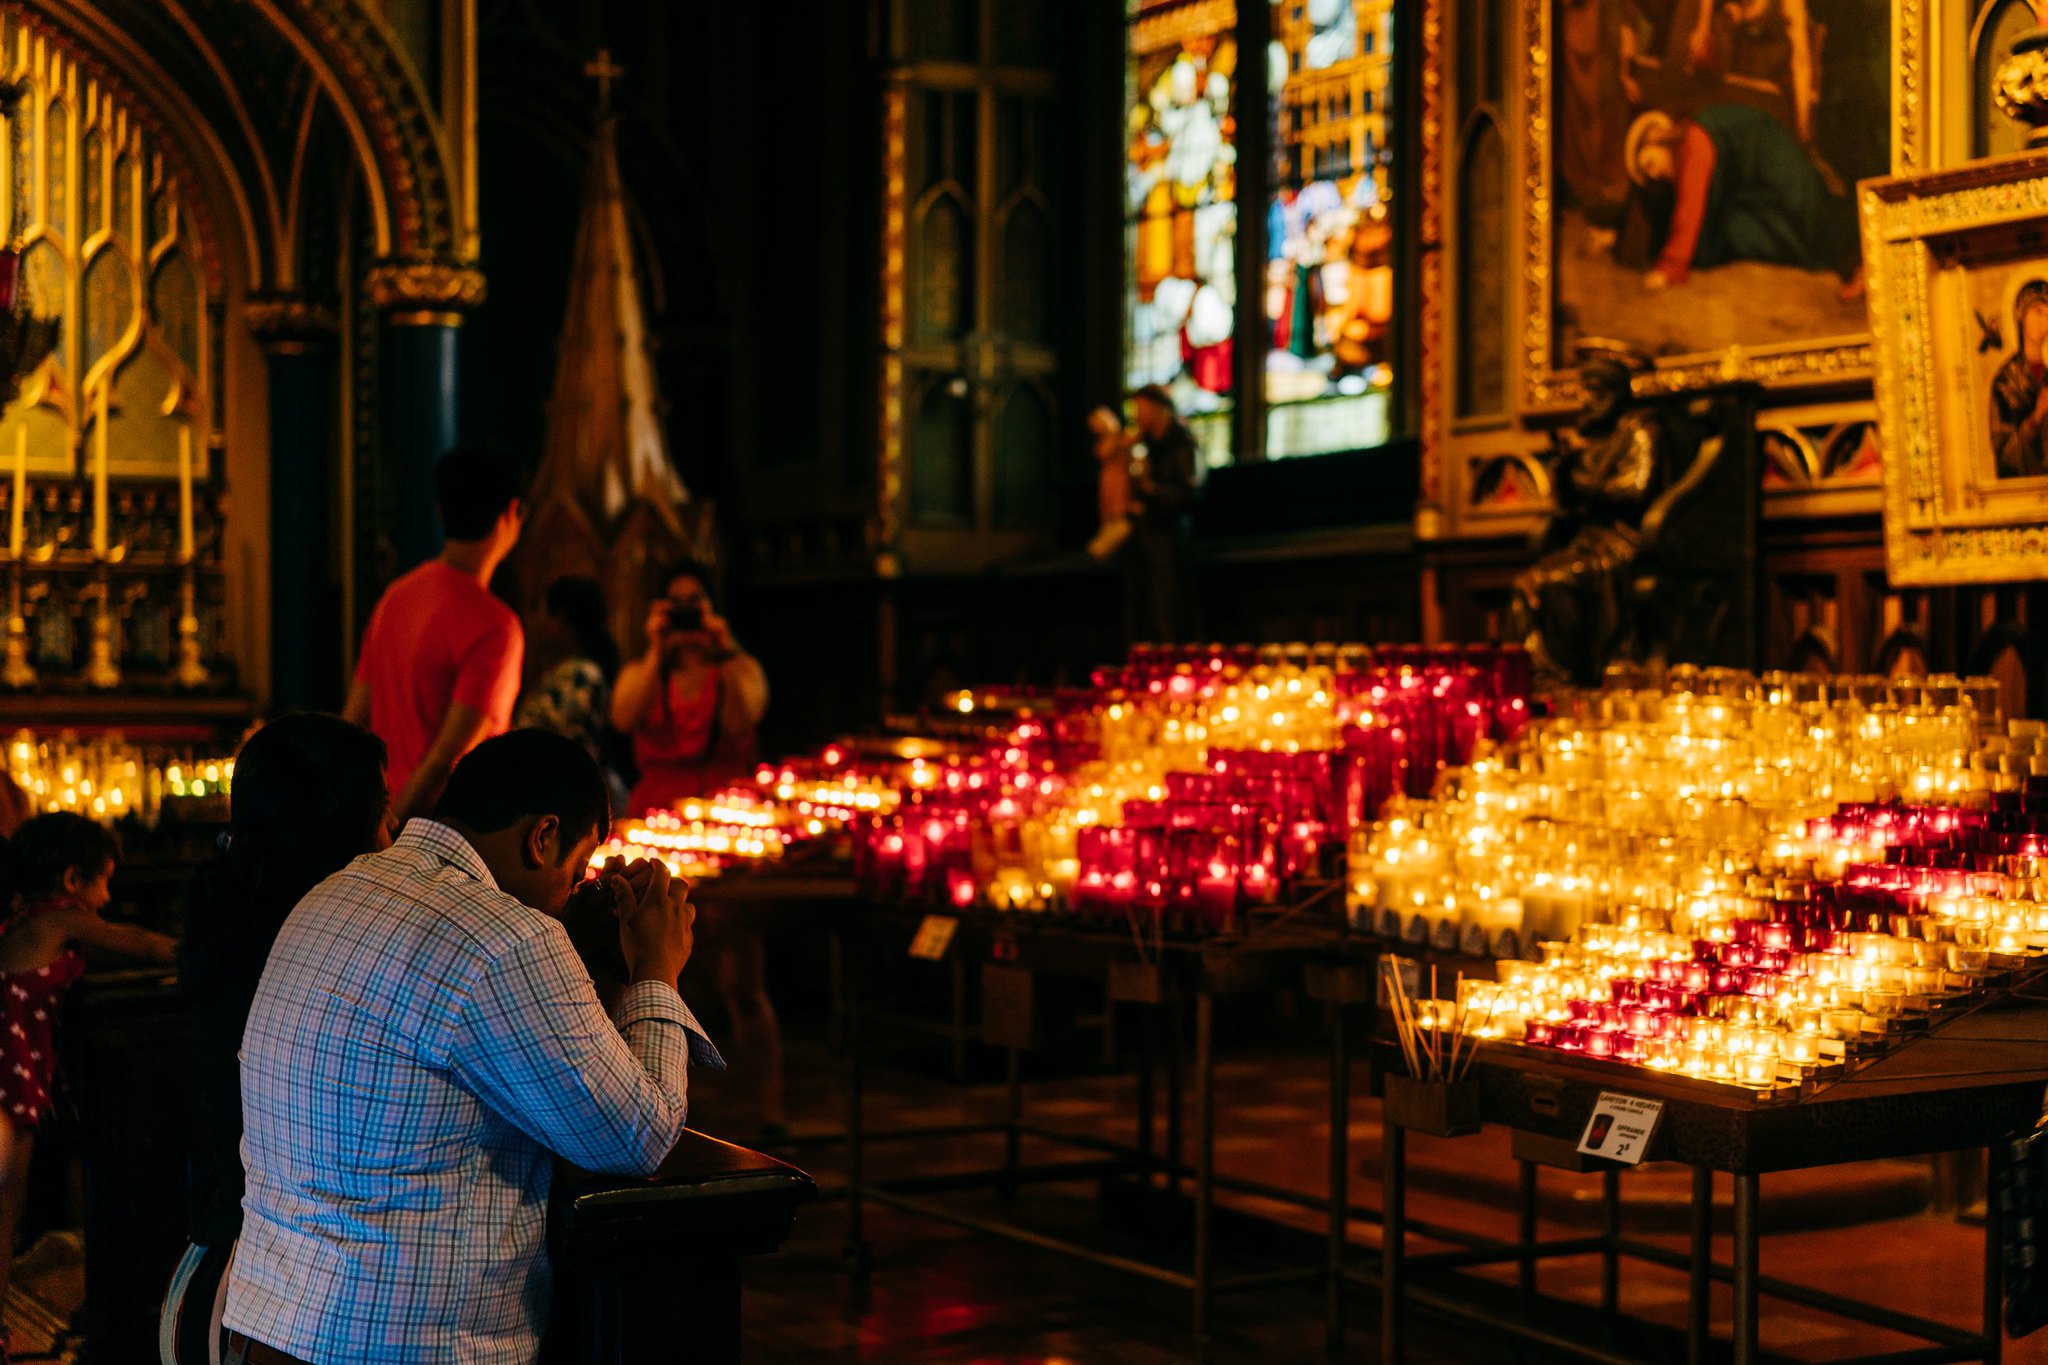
{"x": 437, "y": 638}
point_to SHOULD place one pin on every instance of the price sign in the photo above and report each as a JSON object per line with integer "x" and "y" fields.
{"x": 1621, "y": 1127}
{"x": 934, "y": 936}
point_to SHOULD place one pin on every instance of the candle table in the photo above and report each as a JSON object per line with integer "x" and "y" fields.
{"x": 1970, "y": 1083}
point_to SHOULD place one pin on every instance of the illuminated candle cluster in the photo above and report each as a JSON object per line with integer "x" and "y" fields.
{"x": 109, "y": 778}
{"x": 814, "y": 799}
{"x": 1188, "y": 784}
{"x": 1732, "y": 917}
{"x": 699, "y": 838}
{"x": 1659, "y": 798}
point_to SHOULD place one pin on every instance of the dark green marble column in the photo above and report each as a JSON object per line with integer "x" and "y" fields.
{"x": 420, "y": 404}
{"x": 422, "y": 303}
{"x": 305, "y": 601}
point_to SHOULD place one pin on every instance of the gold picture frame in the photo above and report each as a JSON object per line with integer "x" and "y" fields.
{"x": 1815, "y": 362}
{"x": 1817, "y": 383}
{"x": 1958, "y": 263}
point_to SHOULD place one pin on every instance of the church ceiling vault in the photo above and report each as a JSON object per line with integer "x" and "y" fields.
{"x": 257, "y": 92}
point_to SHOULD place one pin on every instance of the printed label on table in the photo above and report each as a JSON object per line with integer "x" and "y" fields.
{"x": 934, "y": 936}
{"x": 1621, "y": 1126}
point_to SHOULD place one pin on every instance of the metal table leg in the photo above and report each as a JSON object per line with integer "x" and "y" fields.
{"x": 1174, "y": 1151}
{"x": 959, "y": 1018}
{"x": 1746, "y": 1270}
{"x": 857, "y": 1253}
{"x": 1994, "y": 1257}
{"x": 1525, "y": 1265}
{"x": 1205, "y": 1156}
{"x": 1610, "y": 1253}
{"x": 1147, "y": 1131}
{"x": 1393, "y": 1239}
{"x": 1014, "y": 1115}
{"x": 1340, "y": 1180}
{"x": 1700, "y": 1296}
{"x": 835, "y": 968}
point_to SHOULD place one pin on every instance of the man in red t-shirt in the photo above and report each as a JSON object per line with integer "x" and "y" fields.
{"x": 441, "y": 660}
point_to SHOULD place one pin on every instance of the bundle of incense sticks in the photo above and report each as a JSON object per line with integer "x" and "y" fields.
{"x": 1422, "y": 1029}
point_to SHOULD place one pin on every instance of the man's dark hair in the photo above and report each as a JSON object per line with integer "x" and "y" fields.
{"x": 691, "y": 568}
{"x": 48, "y": 846}
{"x": 473, "y": 485}
{"x": 523, "y": 774}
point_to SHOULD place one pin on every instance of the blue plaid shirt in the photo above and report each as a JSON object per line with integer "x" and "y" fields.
{"x": 421, "y": 1044}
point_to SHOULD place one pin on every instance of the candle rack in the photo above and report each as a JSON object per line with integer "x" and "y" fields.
{"x": 190, "y": 671}
{"x": 101, "y": 672}
{"x": 15, "y": 669}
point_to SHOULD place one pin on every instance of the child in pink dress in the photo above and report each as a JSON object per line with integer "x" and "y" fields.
{"x": 57, "y": 869}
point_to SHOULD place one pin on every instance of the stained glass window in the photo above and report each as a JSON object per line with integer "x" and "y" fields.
{"x": 1329, "y": 286}
{"x": 1180, "y": 208}
{"x": 1320, "y": 312}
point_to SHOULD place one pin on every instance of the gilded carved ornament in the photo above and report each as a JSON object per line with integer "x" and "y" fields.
{"x": 424, "y": 285}
{"x": 286, "y": 318}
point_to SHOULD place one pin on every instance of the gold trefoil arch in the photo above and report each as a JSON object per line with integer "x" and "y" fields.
{"x": 111, "y": 247}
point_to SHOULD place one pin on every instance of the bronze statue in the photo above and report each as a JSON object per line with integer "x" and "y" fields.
{"x": 1572, "y": 607}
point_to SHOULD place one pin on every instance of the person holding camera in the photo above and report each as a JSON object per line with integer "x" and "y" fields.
{"x": 693, "y": 701}
{"x": 691, "y": 704}
{"x": 425, "y": 1041}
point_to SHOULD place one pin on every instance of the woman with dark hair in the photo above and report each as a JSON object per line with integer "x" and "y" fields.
{"x": 693, "y": 700}
{"x": 573, "y": 696}
{"x": 692, "y": 704}
{"x": 309, "y": 797}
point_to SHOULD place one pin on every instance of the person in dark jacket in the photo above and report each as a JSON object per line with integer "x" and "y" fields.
{"x": 309, "y": 797}
{"x": 1158, "y": 560}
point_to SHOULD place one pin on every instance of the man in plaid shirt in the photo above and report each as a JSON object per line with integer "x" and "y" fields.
{"x": 425, "y": 1039}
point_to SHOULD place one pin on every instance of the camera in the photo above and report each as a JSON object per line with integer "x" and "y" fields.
{"x": 681, "y": 618}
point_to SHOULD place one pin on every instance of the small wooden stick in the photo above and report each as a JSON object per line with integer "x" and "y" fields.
{"x": 1436, "y": 1039}
{"x": 1403, "y": 1032}
{"x": 1410, "y": 1027}
{"x": 1457, "y": 1021}
{"x": 1416, "y": 1044}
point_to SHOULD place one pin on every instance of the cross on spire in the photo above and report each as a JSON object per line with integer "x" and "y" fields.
{"x": 604, "y": 71}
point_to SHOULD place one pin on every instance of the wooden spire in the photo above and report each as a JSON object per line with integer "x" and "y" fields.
{"x": 607, "y": 500}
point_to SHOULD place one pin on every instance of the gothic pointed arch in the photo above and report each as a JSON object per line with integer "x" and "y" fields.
{"x": 245, "y": 99}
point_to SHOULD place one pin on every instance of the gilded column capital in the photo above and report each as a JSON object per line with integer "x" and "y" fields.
{"x": 422, "y": 292}
{"x": 289, "y": 322}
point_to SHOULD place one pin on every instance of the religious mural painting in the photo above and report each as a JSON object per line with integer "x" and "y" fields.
{"x": 1706, "y": 159}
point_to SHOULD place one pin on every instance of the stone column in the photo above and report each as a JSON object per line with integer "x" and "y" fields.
{"x": 297, "y": 336}
{"x": 423, "y": 303}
